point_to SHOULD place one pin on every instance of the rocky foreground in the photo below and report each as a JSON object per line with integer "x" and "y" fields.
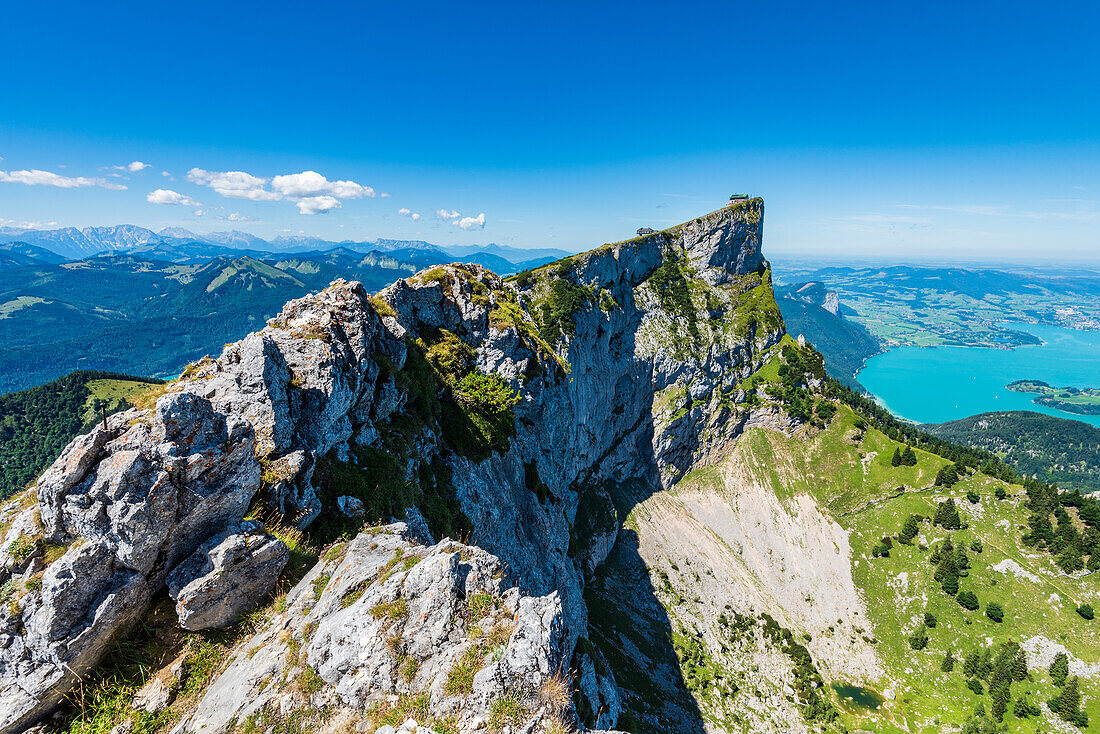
{"x": 496, "y": 407}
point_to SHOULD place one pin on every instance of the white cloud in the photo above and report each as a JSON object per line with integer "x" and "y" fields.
{"x": 167, "y": 196}
{"x": 415, "y": 217}
{"x": 460, "y": 221}
{"x": 234, "y": 184}
{"x": 311, "y": 183}
{"x": 165, "y": 174}
{"x": 469, "y": 223}
{"x": 200, "y": 212}
{"x": 238, "y": 217}
{"x": 406, "y": 212}
{"x": 312, "y": 192}
{"x": 318, "y": 204}
{"x": 133, "y": 167}
{"x": 35, "y": 177}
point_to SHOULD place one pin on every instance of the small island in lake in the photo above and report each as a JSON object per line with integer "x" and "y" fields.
{"x": 1080, "y": 400}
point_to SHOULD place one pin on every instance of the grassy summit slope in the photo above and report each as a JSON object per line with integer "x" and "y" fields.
{"x": 1038, "y": 599}
{"x": 789, "y": 526}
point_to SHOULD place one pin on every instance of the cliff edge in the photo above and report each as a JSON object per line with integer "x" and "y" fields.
{"x": 499, "y": 410}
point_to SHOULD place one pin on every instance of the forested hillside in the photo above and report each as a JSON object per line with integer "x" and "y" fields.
{"x": 36, "y": 424}
{"x": 1059, "y": 450}
{"x": 844, "y": 344}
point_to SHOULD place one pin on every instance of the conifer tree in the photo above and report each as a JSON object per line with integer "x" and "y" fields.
{"x": 1070, "y": 700}
{"x": 896, "y": 459}
{"x": 972, "y": 662}
{"x": 909, "y": 529}
{"x": 1059, "y": 669}
{"x": 947, "y": 515}
{"x": 1019, "y": 665}
{"x": 909, "y": 457}
{"x": 947, "y": 476}
{"x": 947, "y": 570}
{"x": 948, "y": 663}
{"x": 1000, "y": 696}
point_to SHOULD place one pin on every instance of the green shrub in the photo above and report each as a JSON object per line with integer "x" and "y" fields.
{"x": 972, "y": 496}
{"x": 994, "y": 611}
{"x": 929, "y": 620}
{"x": 556, "y": 312}
{"x": 967, "y": 600}
{"x": 1085, "y": 610}
{"x": 1023, "y": 709}
{"x": 670, "y": 282}
{"x": 909, "y": 529}
{"x": 919, "y": 639}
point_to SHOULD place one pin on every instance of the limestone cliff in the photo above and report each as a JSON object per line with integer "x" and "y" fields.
{"x": 509, "y": 411}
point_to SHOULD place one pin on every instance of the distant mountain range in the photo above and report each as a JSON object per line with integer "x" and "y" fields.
{"x": 148, "y": 303}
{"x": 74, "y": 244}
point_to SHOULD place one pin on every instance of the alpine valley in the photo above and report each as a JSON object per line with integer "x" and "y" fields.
{"x": 607, "y": 493}
{"x": 126, "y": 299}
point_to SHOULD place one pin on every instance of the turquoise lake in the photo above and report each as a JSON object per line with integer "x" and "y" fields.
{"x": 936, "y": 384}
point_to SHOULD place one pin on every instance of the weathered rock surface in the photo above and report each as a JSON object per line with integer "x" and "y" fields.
{"x": 226, "y": 576}
{"x": 641, "y": 382}
{"x": 385, "y": 616}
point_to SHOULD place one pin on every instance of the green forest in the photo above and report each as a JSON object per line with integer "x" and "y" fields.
{"x": 37, "y": 423}
{"x": 1056, "y": 450}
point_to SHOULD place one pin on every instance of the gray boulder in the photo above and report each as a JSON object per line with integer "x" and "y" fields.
{"x": 226, "y": 576}
{"x": 350, "y": 506}
{"x": 382, "y": 617}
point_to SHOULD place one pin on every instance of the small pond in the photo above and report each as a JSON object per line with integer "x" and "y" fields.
{"x": 856, "y": 697}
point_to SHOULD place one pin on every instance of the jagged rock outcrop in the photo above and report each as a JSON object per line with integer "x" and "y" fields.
{"x": 628, "y": 362}
{"x": 382, "y": 616}
{"x": 226, "y": 576}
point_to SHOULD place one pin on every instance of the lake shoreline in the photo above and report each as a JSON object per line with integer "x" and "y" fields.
{"x": 924, "y": 384}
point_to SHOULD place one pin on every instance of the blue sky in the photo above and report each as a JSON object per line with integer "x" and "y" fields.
{"x": 940, "y": 129}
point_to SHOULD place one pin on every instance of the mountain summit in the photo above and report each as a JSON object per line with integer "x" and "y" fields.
{"x": 607, "y": 493}
{"x": 505, "y": 405}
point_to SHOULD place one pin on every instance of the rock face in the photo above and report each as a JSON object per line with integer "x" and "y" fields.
{"x": 436, "y": 608}
{"x": 631, "y": 362}
{"x": 226, "y": 576}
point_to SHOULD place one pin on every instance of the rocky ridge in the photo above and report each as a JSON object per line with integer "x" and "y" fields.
{"x": 504, "y": 405}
